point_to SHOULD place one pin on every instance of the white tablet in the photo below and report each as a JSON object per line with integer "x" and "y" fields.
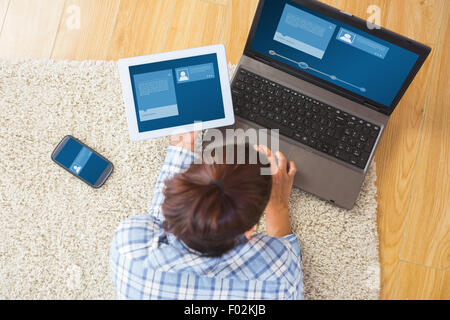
{"x": 176, "y": 92}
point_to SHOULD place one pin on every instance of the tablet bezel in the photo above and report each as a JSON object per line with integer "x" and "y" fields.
{"x": 125, "y": 79}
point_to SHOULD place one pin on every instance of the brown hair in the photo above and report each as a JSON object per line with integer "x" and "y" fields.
{"x": 209, "y": 206}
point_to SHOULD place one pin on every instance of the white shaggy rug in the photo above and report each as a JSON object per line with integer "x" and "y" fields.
{"x": 55, "y": 231}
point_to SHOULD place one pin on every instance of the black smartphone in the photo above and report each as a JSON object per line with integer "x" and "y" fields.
{"x": 82, "y": 161}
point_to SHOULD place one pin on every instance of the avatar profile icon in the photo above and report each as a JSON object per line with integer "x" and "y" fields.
{"x": 347, "y": 37}
{"x": 183, "y": 76}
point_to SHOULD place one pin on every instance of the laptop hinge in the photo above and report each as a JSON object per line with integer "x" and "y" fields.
{"x": 262, "y": 60}
{"x": 371, "y": 106}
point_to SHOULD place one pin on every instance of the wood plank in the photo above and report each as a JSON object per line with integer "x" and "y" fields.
{"x": 396, "y": 160}
{"x": 141, "y": 28}
{"x": 396, "y": 156}
{"x": 30, "y": 27}
{"x": 3, "y": 8}
{"x": 220, "y": 2}
{"x": 239, "y": 19}
{"x": 195, "y": 23}
{"x": 419, "y": 20}
{"x": 399, "y": 147}
{"x": 359, "y": 8}
{"x": 332, "y": 3}
{"x": 427, "y": 235}
{"x": 91, "y": 39}
{"x": 417, "y": 282}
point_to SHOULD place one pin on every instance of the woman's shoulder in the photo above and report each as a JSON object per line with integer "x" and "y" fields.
{"x": 267, "y": 258}
{"x": 135, "y": 230}
{"x": 287, "y": 244}
{"x": 142, "y": 221}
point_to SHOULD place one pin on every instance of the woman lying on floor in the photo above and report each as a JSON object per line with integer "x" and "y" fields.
{"x": 197, "y": 241}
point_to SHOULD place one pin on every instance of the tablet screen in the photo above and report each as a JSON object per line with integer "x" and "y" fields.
{"x": 177, "y": 92}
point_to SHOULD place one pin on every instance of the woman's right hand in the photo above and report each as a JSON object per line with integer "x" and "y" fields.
{"x": 277, "y": 212}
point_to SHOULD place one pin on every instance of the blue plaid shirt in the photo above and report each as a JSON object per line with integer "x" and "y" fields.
{"x": 148, "y": 263}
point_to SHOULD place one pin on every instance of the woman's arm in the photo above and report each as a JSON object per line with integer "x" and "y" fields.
{"x": 178, "y": 158}
{"x": 277, "y": 212}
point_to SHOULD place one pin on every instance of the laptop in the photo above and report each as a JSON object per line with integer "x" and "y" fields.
{"x": 329, "y": 82}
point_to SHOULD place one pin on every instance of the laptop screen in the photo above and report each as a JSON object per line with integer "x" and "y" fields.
{"x": 333, "y": 51}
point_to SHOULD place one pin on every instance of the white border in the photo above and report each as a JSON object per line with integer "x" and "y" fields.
{"x": 124, "y": 73}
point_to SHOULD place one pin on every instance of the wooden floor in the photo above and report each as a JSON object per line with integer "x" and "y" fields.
{"x": 413, "y": 161}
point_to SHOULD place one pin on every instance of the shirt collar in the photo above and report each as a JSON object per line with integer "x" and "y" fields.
{"x": 169, "y": 238}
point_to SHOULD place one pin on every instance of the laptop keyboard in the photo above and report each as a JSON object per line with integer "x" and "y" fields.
{"x": 308, "y": 121}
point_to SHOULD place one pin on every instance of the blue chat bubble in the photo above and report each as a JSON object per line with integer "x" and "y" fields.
{"x": 355, "y": 40}
{"x": 195, "y": 73}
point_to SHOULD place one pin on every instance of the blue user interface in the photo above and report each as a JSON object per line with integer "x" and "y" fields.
{"x": 177, "y": 92}
{"x": 304, "y": 32}
{"x": 81, "y": 161}
{"x": 333, "y": 51}
{"x": 156, "y": 95}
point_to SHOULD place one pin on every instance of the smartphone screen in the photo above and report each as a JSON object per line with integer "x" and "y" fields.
{"x": 82, "y": 162}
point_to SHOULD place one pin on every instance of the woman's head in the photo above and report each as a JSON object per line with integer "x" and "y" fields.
{"x": 209, "y": 206}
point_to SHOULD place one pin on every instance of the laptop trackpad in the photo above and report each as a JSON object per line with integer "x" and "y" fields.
{"x": 326, "y": 178}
